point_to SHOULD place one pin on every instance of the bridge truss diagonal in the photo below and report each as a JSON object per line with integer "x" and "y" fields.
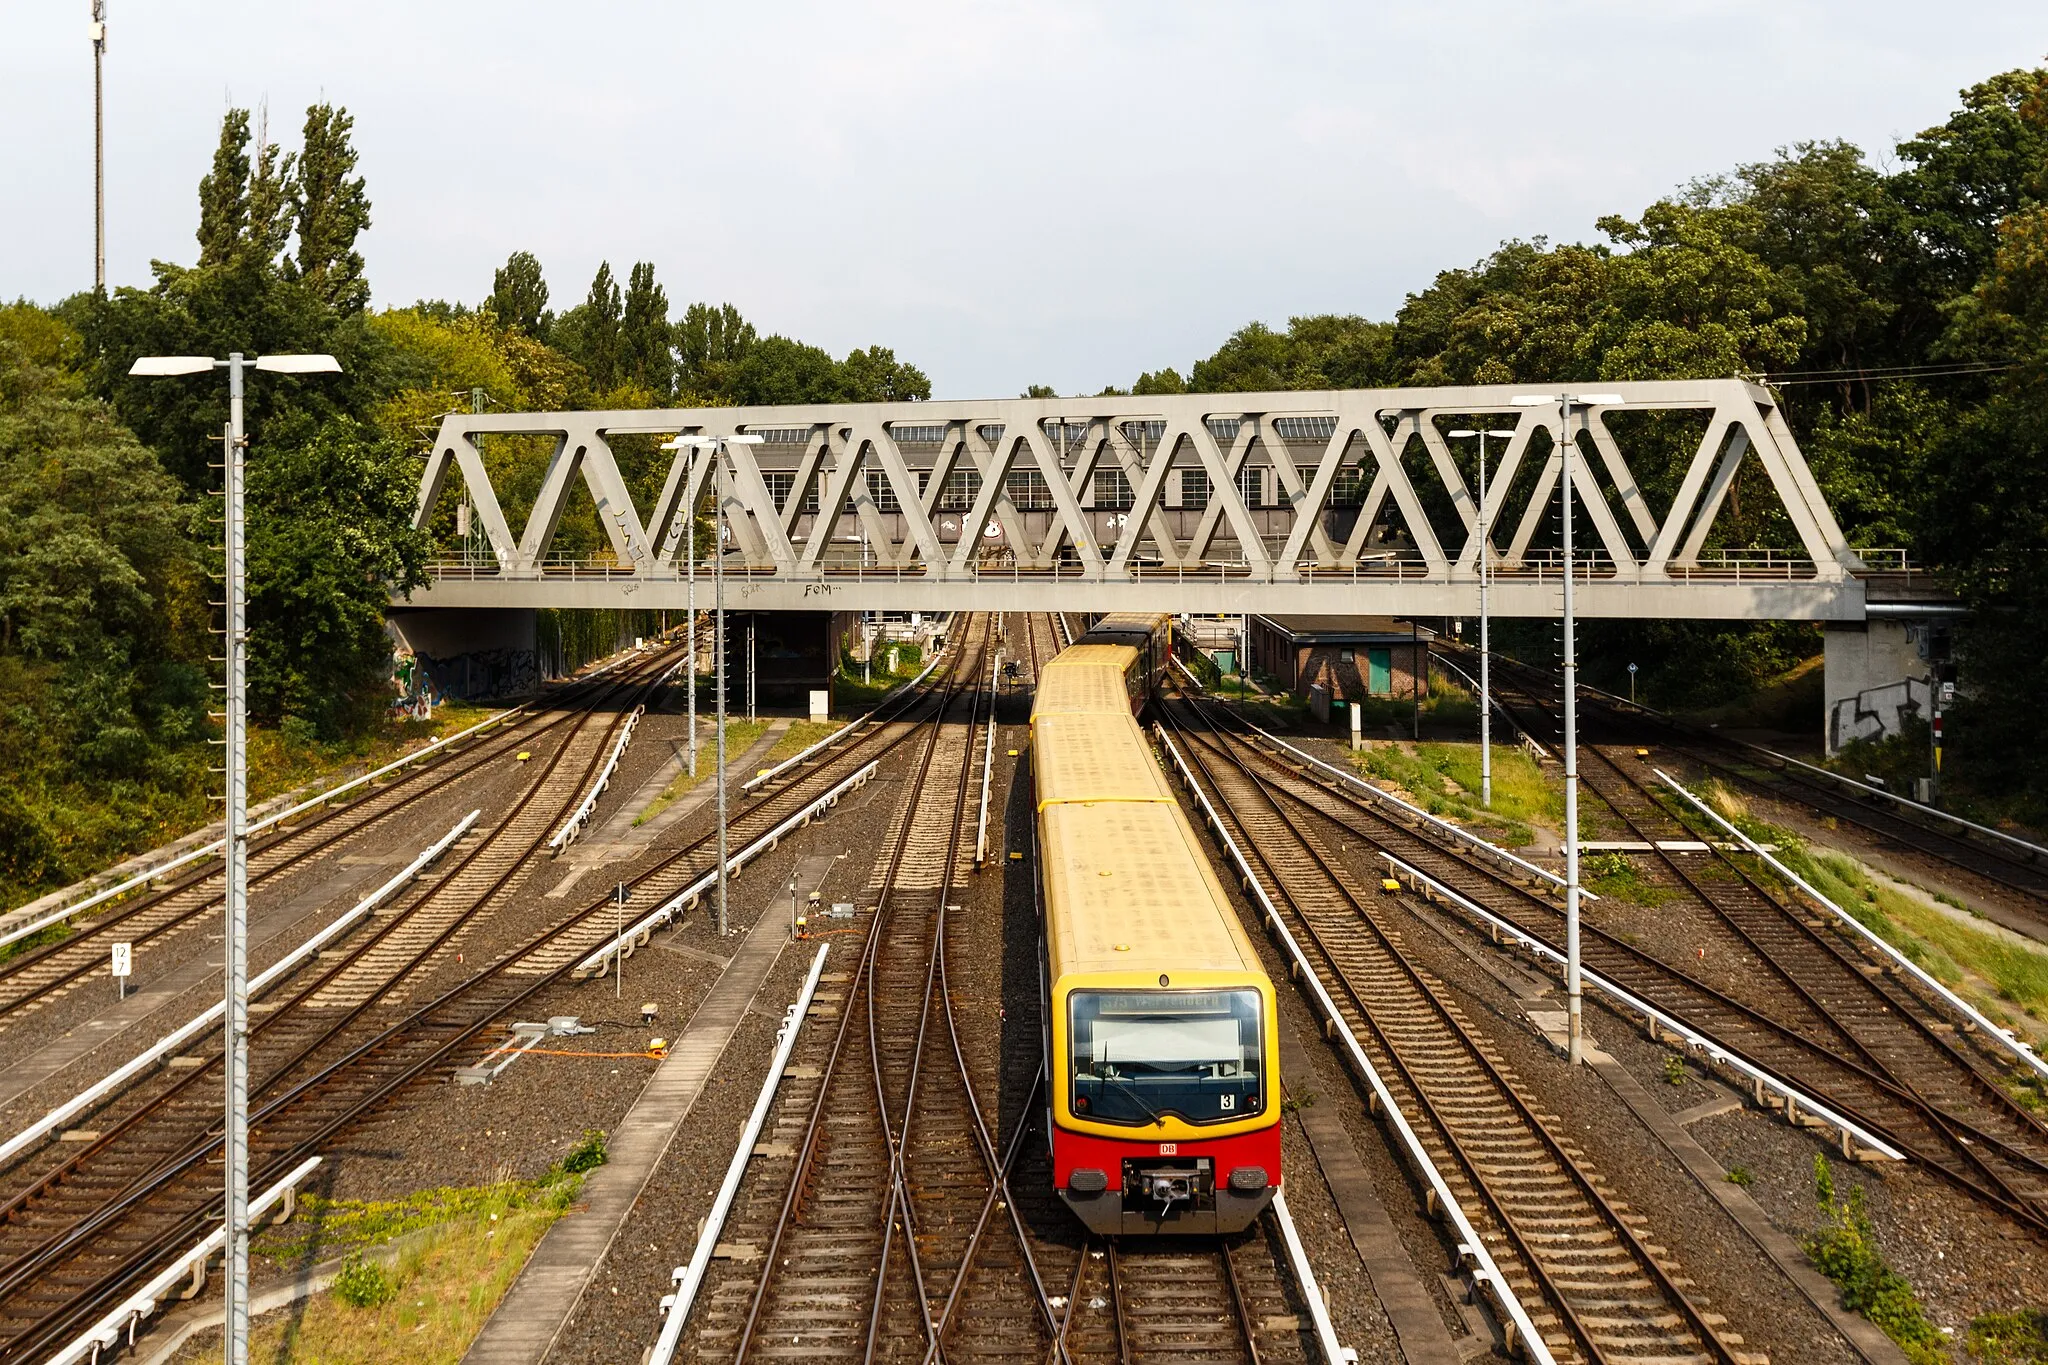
{"x": 1340, "y": 501}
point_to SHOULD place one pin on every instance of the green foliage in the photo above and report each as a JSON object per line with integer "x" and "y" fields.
{"x": 1039, "y": 391}
{"x": 589, "y": 333}
{"x": 646, "y": 357}
{"x": 1844, "y": 1249}
{"x": 2017, "y": 1338}
{"x": 1674, "y": 1070}
{"x": 1741, "y": 1176}
{"x": 519, "y": 296}
{"x": 364, "y": 1283}
{"x": 710, "y": 343}
{"x": 1446, "y": 776}
{"x": 1324, "y": 352}
{"x": 588, "y": 1154}
{"x": 330, "y": 538}
{"x": 333, "y": 210}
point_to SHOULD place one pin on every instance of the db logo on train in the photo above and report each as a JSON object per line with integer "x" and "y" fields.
{"x": 1169, "y": 1149}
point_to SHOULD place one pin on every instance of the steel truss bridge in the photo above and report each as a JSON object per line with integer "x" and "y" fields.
{"x": 1341, "y": 502}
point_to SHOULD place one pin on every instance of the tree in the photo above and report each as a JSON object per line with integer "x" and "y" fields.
{"x": 875, "y": 375}
{"x": 646, "y": 357}
{"x": 710, "y": 343}
{"x": 777, "y": 370}
{"x": 224, "y": 192}
{"x": 1167, "y": 380}
{"x": 330, "y": 539}
{"x": 589, "y": 333}
{"x": 1039, "y": 391}
{"x": 519, "y": 296}
{"x": 333, "y": 210}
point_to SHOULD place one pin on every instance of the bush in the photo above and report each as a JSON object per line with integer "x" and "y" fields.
{"x": 587, "y": 1155}
{"x": 364, "y": 1284}
{"x": 1845, "y": 1250}
{"x": 2009, "y": 1338}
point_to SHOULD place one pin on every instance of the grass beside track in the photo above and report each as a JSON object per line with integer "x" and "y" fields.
{"x": 2006, "y": 979}
{"x": 1443, "y": 779}
{"x": 459, "y": 1249}
{"x": 739, "y": 737}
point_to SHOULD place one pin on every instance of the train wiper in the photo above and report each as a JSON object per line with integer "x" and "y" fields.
{"x": 1158, "y": 1119}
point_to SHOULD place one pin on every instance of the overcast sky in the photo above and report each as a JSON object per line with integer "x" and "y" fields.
{"x": 1006, "y": 193}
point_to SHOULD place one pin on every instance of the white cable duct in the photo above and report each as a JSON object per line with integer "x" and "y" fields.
{"x": 631, "y": 938}
{"x": 1893, "y": 955}
{"x": 1484, "y": 1270}
{"x": 106, "y": 1334}
{"x": 574, "y": 824}
{"x": 255, "y": 827}
{"x": 843, "y": 732}
{"x": 1414, "y": 813}
{"x": 1305, "y": 1276}
{"x": 90, "y": 1097}
{"x": 1796, "y": 1100}
{"x": 690, "y": 1278}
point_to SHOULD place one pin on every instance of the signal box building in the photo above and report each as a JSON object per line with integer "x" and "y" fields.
{"x": 1352, "y": 656}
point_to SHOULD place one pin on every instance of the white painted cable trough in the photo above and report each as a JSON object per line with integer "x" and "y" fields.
{"x": 1761, "y": 1082}
{"x": 689, "y": 1278}
{"x": 91, "y": 1097}
{"x": 573, "y": 826}
{"x": 1472, "y": 1252}
{"x": 2004, "y": 1037}
{"x": 632, "y": 937}
{"x": 107, "y": 1334}
{"x": 844, "y": 732}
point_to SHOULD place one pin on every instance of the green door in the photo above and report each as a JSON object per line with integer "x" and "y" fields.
{"x": 1380, "y": 671}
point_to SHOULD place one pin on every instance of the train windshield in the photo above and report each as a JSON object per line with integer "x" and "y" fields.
{"x": 1139, "y": 1056}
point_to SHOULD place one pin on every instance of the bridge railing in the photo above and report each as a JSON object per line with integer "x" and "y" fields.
{"x": 1397, "y": 566}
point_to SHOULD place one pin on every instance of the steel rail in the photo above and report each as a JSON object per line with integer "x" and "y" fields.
{"x": 21, "y": 1269}
{"x": 688, "y": 1278}
{"x": 456, "y": 1035}
{"x": 430, "y": 749}
{"x": 1764, "y": 1075}
{"x": 1971, "y": 1014}
{"x": 861, "y": 980}
{"x": 1485, "y": 1271}
{"x": 898, "y": 1139}
{"x": 1588, "y": 1191}
{"x": 416, "y": 786}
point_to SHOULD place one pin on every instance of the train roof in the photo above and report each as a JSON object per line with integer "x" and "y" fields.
{"x": 1087, "y": 757}
{"x": 1086, "y": 678}
{"x": 1128, "y": 888}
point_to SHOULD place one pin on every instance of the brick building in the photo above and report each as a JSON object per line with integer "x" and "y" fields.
{"x": 1353, "y": 656}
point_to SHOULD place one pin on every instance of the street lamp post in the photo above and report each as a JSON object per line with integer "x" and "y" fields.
{"x": 235, "y": 1053}
{"x": 1567, "y": 451}
{"x": 1482, "y": 529}
{"x": 717, "y": 446}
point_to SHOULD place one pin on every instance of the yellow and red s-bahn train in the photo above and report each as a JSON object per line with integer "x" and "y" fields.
{"x": 1162, "y": 1041}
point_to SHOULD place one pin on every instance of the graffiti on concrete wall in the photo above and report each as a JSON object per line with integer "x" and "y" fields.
{"x": 1876, "y": 713}
{"x": 482, "y": 673}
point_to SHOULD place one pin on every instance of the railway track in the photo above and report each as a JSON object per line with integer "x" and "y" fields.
{"x": 77, "y": 1234}
{"x": 893, "y": 1217}
{"x": 1996, "y": 1156}
{"x": 2025, "y": 880}
{"x": 2005, "y": 868}
{"x": 157, "y": 919}
{"x": 1971, "y": 1124}
{"x": 1597, "y": 1287}
{"x": 869, "y": 1232}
